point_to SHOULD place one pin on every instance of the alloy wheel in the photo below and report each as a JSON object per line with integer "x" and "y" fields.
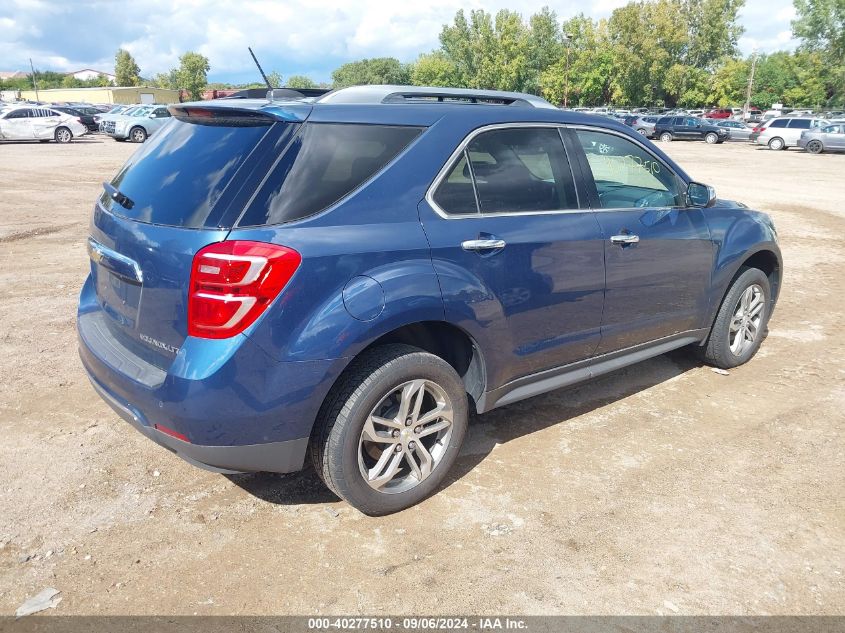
{"x": 405, "y": 436}
{"x": 63, "y": 136}
{"x": 746, "y": 319}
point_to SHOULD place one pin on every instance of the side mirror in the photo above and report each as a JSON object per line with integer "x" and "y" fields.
{"x": 699, "y": 195}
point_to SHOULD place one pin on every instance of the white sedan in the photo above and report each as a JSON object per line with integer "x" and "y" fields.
{"x": 29, "y": 123}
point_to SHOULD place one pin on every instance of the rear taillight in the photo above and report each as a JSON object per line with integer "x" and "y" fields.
{"x": 233, "y": 282}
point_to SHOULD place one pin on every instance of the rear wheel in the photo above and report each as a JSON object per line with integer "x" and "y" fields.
{"x": 815, "y": 147}
{"x": 642, "y": 131}
{"x": 776, "y": 143}
{"x": 740, "y": 325}
{"x": 711, "y": 138}
{"x": 63, "y": 135}
{"x": 391, "y": 429}
{"x": 138, "y": 135}
{"x": 666, "y": 137}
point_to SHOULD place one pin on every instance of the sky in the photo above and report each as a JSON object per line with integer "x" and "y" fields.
{"x": 292, "y": 37}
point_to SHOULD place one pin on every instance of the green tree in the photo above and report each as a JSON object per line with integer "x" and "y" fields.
{"x": 435, "y": 69}
{"x": 379, "y": 70}
{"x": 820, "y": 24}
{"x": 126, "y": 70}
{"x": 729, "y": 82}
{"x": 301, "y": 81}
{"x": 192, "y": 74}
{"x": 275, "y": 79}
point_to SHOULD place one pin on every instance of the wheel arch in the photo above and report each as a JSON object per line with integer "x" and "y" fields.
{"x": 766, "y": 257}
{"x": 445, "y": 340}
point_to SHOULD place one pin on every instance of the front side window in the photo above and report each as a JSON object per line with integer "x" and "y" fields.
{"x": 326, "y": 162}
{"x": 801, "y": 124}
{"x": 626, "y": 175}
{"x": 831, "y": 129}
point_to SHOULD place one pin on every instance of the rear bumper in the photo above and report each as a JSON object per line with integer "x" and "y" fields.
{"x": 279, "y": 457}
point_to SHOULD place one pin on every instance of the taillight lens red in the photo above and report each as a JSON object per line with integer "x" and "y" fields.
{"x": 233, "y": 282}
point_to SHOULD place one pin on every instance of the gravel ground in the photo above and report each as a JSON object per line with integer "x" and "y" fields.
{"x": 662, "y": 488}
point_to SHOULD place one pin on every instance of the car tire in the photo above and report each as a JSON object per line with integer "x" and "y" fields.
{"x": 63, "y": 135}
{"x": 711, "y": 138}
{"x": 666, "y": 137}
{"x": 815, "y": 147}
{"x": 376, "y": 386}
{"x": 744, "y": 312}
{"x": 642, "y": 131}
{"x": 137, "y": 134}
{"x": 776, "y": 143}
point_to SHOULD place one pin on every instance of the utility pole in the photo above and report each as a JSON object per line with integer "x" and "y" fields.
{"x": 750, "y": 84}
{"x": 34, "y": 83}
{"x": 568, "y": 39}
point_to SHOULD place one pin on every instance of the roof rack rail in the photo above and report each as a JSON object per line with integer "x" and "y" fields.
{"x": 422, "y": 94}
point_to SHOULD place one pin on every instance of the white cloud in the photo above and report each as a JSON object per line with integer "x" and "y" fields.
{"x": 295, "y": 36}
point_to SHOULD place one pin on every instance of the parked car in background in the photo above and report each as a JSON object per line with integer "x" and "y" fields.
{"x": 719, "y": 113}
{"x": 784, "y": 132}
{"x": 138, "y": 125}
{"x": 643, "y": 124}
{"x": 695, "y": 113}
{"x": 687, "y": 128}
{"x": 85, "y": 115}
{"x": 115, "y": 111}
{"x": 738, "y": 131}
{"x": 830, "y": 138}
{"x": 348, "y": 279}
{"x": 753, "y": 115}
{"x": 27, "y": 123}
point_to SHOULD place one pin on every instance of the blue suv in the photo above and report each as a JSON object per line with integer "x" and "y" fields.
{"x": 348, "y": 278}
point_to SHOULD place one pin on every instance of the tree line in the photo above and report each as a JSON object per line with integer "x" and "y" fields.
{"x": 647, "y": 53}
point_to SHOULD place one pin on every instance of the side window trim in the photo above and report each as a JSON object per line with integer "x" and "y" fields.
{"x": 461, "y": 151}
{"x": 587, "y": 176}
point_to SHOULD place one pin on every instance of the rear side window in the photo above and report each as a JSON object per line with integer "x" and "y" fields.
{"x": 521, "y": 170}
{"x": 801, "y": 124}
{"x": 178, "y": 175}
{"x": 324, "y": 163}
{"x": 513, "y": 170}
{"x": 666, "y": 120}
{"x": 778, "y": 123}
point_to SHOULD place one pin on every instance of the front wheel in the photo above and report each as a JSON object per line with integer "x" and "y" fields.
{"x": 815, "y": 147}
{"x": 740, "y": 325}
{"x": 711, "y": 138}
{"x": 666, "y": 137}
{"x": 390, "y": 429}
{"x": 138, "y": 135}
{"x": 63, "y": 135}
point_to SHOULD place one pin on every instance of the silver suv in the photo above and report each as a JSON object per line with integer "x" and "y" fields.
{"x": 784, "y": 132}
{"x": 136, "y": 126}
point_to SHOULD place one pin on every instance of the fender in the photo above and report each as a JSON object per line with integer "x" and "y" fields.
{"x": 738, "y": 234}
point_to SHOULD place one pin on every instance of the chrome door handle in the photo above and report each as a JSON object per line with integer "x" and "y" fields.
{"x": 483, "y": 245}
{"x": 625, "y": 239}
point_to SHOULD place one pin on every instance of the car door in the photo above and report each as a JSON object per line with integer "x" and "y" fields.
{"x": 17, "y": 125}
{"x": 45, "y": 122}
{"x": 834, "y": 137}
{"x": 658, "y": 252}
{"x": 520, "y": 262}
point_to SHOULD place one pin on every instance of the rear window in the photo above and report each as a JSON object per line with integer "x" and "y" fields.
{"x": 324, "y": 163}
{"x": 179, "y": 174}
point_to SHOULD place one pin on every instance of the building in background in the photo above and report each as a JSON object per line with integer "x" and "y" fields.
{"x": 12, "y": 74}
{"x": 109, "y": 94}
{"x": 89, "y": 73}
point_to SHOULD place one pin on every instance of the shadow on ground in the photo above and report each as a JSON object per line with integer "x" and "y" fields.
{"x": 496, "y": 427}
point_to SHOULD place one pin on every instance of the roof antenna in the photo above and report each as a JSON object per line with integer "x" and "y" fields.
{"x": 261, "y": 70}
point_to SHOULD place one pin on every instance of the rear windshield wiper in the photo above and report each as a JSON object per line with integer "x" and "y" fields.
{"x": 121, "y": 198}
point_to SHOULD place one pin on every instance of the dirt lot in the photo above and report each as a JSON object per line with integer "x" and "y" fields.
{"x": 661, "y": 488}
